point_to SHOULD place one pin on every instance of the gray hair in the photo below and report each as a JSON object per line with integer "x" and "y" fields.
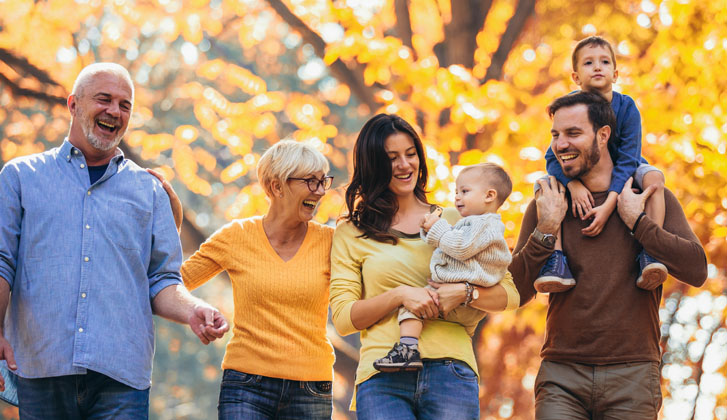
{"x": 93, "y": 69}
{"x": 286, "y": 159}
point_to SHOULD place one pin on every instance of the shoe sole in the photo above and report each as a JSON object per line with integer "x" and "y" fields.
{"x": 653, "y": 276}
{"x": 553, "y": 284}
{"x": 392, "y": 369}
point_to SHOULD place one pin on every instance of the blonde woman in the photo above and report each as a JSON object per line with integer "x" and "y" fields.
{"x": 278, "y": 363}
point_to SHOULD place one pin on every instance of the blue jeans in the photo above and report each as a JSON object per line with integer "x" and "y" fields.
{"x": 257, "y": 397}
{"x": 444, "y": 389}
{"x": 89, "y": 396}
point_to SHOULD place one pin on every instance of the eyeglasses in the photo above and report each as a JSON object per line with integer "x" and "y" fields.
{"x": 314, "y": 183}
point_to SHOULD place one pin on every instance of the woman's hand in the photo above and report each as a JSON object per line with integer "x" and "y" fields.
{"x": 451, "y": 295}
{"x": 420, "y": 301}
{"x": 174, "y": 200}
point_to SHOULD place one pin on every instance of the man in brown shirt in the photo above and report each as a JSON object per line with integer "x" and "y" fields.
{"x": 601, "y": 353}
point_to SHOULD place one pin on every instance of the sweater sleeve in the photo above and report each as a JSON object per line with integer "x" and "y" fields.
{"x": 528, "y": 256}
{"x": 628, "y": 150}
{"x": 346, "y": 281}
{"x": 208, "y": 260}
{"x": 554, "y": 168}
{"x": 675, "y": 245}
{"x": 465, "y": 240}
{"x": 513, "y": 297}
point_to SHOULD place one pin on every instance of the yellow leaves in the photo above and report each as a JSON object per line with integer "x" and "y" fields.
{"x": 245, "y": 80}
{"x": 305, "y": 111}
{"x": 238, "y": 76}
{"x": 186, "y": 133}
{"x": 186, "y": 167}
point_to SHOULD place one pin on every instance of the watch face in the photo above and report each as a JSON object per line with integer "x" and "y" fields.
{"x": 549, "y": 240}
{"x": 475, "y": 294}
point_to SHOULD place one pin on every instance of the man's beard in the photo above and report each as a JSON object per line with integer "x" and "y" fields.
{"x": 88, "y": 125}
{"x": 590, "y": 158}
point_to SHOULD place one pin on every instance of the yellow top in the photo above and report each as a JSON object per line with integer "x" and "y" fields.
{"x": 364, "y": 268}
{"x": 281, "y": 307}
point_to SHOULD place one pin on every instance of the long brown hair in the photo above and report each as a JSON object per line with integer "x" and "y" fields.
{"x": 371, "y": 204}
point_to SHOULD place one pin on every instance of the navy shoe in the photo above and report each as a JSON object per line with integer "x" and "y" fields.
{"x": 652, "y": 273}
{"x": 402, "y": 357}
{"x": 555, "y": 276}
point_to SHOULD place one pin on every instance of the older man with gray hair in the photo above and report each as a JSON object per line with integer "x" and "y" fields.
{"x": 88, "y": 252}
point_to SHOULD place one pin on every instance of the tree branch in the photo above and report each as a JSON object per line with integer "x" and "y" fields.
{"x": 23, "y": 67}
{"x": 403, "y": 24}
{"x": 525, "y": 9}
{"x": 351, "y": 77}
{"x": 29, "y": 93}
{"x": 460, "y": 34}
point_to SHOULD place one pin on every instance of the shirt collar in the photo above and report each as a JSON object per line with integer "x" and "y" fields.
{"x": 67, "y": 151}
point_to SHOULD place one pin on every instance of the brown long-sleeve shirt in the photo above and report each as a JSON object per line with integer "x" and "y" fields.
{"x": 605, "y": 318}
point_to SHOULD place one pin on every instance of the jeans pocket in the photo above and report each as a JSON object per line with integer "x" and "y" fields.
{"x": 462, "y": 371}
{"x": 322, "y": 389}
{"x": 233, "y": 377}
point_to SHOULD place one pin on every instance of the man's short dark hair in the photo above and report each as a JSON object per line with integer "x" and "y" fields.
{"x": 599, "y": 109}
{"x": 591, "y": 41}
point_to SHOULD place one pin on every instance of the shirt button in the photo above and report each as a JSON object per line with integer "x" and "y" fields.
{"x": 80, "y": 330}
{"x": 68, "y": 157}
{"x": 83, "y": 295}
{"x": 89, "y": 192}
{"x": 85, "y": 259}
{"x": 83, "y": 166}
{"x": 75, "y": 152}
{"x": 88, "y": 227}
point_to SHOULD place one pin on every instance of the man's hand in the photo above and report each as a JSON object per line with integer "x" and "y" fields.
{"x": 429, "y": 220}
{"x": 174, "y": 200}
{"x": 581, "y": 199}
{"x": 551, "y": 205}
{"x": 207, "y": 323}
{"x": 631, "y": 204}
{"x": 6, "y": 353}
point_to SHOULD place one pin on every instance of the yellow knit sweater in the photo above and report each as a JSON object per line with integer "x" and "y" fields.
{"x": 281, "y": 308}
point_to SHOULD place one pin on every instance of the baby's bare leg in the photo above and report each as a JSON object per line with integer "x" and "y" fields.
{"x": 411, "y": 328}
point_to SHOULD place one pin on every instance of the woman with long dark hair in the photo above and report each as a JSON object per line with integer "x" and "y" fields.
{"x": 379, "y": 263}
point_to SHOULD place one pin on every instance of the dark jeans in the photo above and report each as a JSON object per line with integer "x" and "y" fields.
{"x": 257, "y": 397}
{"x": 444, "y": 389}
{"x": 89, "y": 396}
{"x": 597, "y": 392}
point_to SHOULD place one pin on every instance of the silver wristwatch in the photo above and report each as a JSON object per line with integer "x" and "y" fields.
{"x": 546, "y": 239}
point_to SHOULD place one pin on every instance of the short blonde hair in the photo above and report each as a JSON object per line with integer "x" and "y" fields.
{"x": 493, "y": 176}
{"x": 91, "y": 70}
{"x": 286, "y": 159}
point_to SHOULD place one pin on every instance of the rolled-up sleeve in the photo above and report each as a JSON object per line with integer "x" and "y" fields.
{"x": 166, "y": 249}
{"x": 346, "y": 279}
{"x": 10, "y": 218}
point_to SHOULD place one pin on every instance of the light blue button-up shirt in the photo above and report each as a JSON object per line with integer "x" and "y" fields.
{"x": 84, "y": 263}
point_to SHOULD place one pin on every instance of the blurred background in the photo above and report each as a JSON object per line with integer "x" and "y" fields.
{"x": 218, "y": 81}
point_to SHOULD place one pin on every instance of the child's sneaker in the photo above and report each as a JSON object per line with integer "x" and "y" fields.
{"x": 652, "y": 274}
{"x": 555, "y": 276}
{"x": 402, "y": 357}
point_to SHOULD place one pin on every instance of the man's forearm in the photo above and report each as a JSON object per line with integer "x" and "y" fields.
{"x": 174, "y": 303}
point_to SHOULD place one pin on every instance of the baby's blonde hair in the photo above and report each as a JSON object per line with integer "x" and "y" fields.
{"x": 286, "y": 159}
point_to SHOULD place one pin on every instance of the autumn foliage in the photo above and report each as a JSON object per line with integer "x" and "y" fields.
{"x": 219, "y": 81}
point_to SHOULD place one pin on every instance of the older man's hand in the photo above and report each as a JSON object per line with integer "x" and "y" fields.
{"x": 551, "y": 205}
{"x": 631, "y": 204}
{"x": 207, "y": 323}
